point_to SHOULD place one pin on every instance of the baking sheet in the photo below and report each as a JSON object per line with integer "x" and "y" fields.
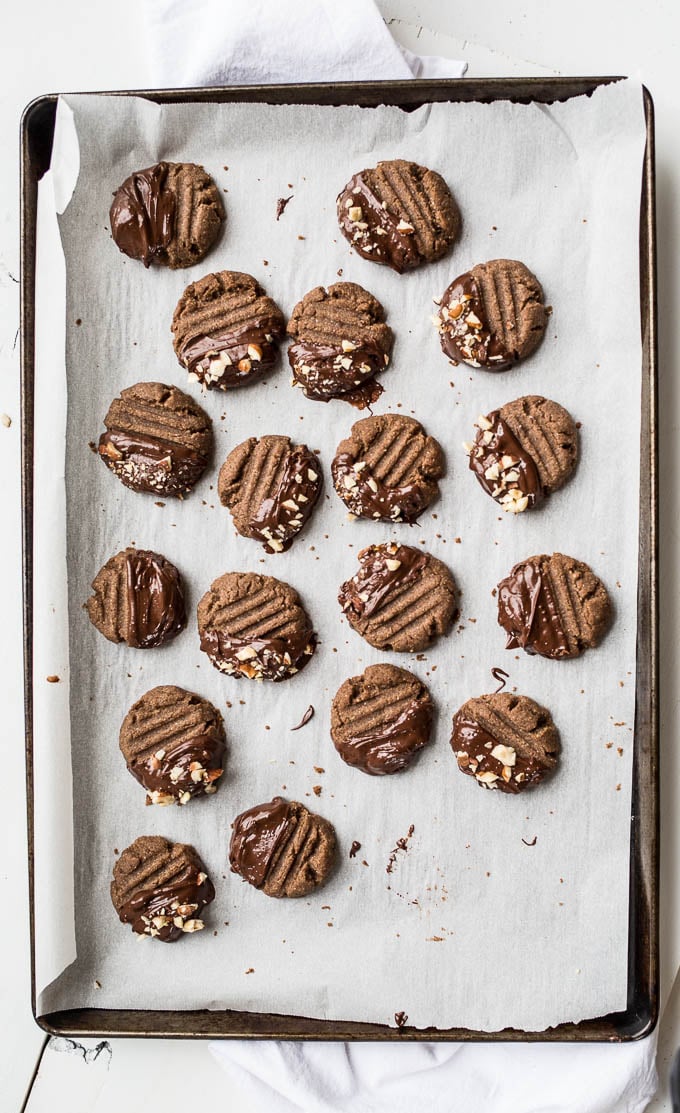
{"x": 472, "y": 927}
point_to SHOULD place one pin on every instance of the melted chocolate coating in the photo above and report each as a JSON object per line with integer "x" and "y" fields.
{"x": 194, "y": 767}
{"x": 392, "y": 747}
{"x": 464, "y": 332}
{"x": 505, "y": 470}
{"x": 256, "y": 834}
{"x": 156, "y": 610}
{"x": 227, "y": 359}
{"x": 326, "y": 371}
{"x": 364, "y": 593}
{"x": 391, "y": 245}
{"x": 369, "y": 497}
{"x": 180, "y": 901}
{"x": 145, "y": 463}
{"x": 474, "y": 746}
{"x": 259, "y": 658}
{"x": 281, "y": 517}
{"x": 528, "y": 612}
{"x": 143, "y": 214}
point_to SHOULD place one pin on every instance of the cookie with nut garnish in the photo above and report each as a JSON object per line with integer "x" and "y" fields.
{"x": 340, "y": 343}
{"x": 157, "y": 439}
{"x": 400, "y": 598}
{"x": 255, "y": 626}
{"x": 282, "y": 848}
{"x": 492, "y": 316}
{"x": 169, "y": 214}
{"x": 398, "y": 213}
{"x": 554, "y": 606}
{"x": 524, "y": 451}
{"x": 387, "y": 469}
{"x": 226, "y": 330}
{"x": 160, "y": 888}
{"x": 505, "y": 741}
{"x": 381, "y": 719}
{"x": 138, "y": 598}
{"x": 173, "y": 743}
{"x": 270, "y": 486}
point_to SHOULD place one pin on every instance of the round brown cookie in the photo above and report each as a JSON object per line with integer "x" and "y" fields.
{"x": 505, "y": 741}
{"x": 138, "y": 599}
{"x": 282, "y": 848}
{"x": 388, "y": 468}
{"x": 170, "y": 214}
{"x": 381, "y": 719}
{"x": 157, "y": 439}
{"x": 398, "y": 213}
{"x": 226, "y": 330}
{"x": 270, "y": 486}
{"x": 401, "y": 598}
{"x": 255, "y": 626}
{"x": 524, "y": 451}
{"x": 554, "y": 606}
{"x": 160, "y": 888}
{"x": 492, "y": 316}
{"x": 341, "y": 342}
{"x": 173, "y": 743}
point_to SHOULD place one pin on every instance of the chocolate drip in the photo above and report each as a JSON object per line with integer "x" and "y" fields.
{"x": 504, "y": 468}
{"x": 256, "y": 836}
{"x": 364, "y": 593}
{"x": 230, "y": 357}
{"x": 528, "y": 611}
{"x": 326, "y": 371}
{"x": 193, "y": 766}
{"x": 155, "y": 599}
{"x": 464, "y": 331}
{"x": 398, "y": 249}
{"x": 259, "y": 658}
{"x": 145, "y": 463}
{"x": 190, "y": 888}
{"x": 369, "y": 497}
{"x": 391, "y": 747}
{"x": 473, "y": 747}
{"x": 143, "y": 214}
{"x": 280, "y": 518}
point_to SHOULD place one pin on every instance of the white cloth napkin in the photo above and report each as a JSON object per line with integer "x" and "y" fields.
{"x": 246, "y": 42}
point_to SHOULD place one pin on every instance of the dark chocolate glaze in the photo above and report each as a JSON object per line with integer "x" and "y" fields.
{"x": 145, "y": 463}
{"x": 256, "y": 835}
{"x": 364, "y": 593}
{"x": 397, "y": 249}
{"x": 393, "y": 746}
{"x": 275, "y": 519}
{"x": 193, "y": 766}
{"x": 326, "y": 371}
{"x": 473, "y": 746}
{"x": 272, "y": 658}
{"x": 505, "y": 483}
{"x": 155, "y": 598}
{"x": 527, "y": 610}
{"x": 183, "y": 899}
{"x": 237, "y": 364}
{"x": 464, "y": 332}
{"x": 142, "y": 214}
{"x": 389, "y": 504}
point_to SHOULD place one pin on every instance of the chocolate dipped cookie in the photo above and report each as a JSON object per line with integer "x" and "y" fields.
{"x": 381, "y": 719}
{"x": 282, "y": 848}
{"x": 505, "y": 741}
{"x": 160, "y": 888}
{"x": 138, "y": 599}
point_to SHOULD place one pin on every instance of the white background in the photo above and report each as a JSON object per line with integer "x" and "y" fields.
{"x": 47, "y": 47}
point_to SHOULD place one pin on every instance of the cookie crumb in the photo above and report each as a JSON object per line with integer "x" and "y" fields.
{"x": 281, "y": 205}
{"x": 52, "y": 679}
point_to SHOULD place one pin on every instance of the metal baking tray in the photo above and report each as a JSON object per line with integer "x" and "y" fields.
{"x": 641, "y": 1013}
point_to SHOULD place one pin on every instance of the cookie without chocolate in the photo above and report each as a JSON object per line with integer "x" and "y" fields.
{"x": 160, "y": 888}
{"x": 505, "y": 741}
{"x": 388, "y": 468}
{"x": 399, "y": 214}
{"x": 226, "y": 330}
{"x": 169, "y": 214}
{"x": 157, "y": 439}
{"x": 173, "y": 744}
{"x": 341, "y": 342}
{"x": 524, "y": 451}
{"x": 554, "y": 606}
{"x": 282, "y": 848}
{"x": 270, "y": 486}
{"x": 255, "y": 626}
{"x": 138, "y": 599}
{"x": 401, "y": 598}
{"x": 381, "y": 719}
{"x": 492, "y": 316}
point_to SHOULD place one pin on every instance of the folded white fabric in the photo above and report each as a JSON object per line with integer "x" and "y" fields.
{"x": 251, "y": 42}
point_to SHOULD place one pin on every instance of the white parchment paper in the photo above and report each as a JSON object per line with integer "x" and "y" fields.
{"x": 473, "y": 927}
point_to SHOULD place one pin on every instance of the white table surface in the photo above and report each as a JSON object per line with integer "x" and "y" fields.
{"x": 75, "y": 45}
